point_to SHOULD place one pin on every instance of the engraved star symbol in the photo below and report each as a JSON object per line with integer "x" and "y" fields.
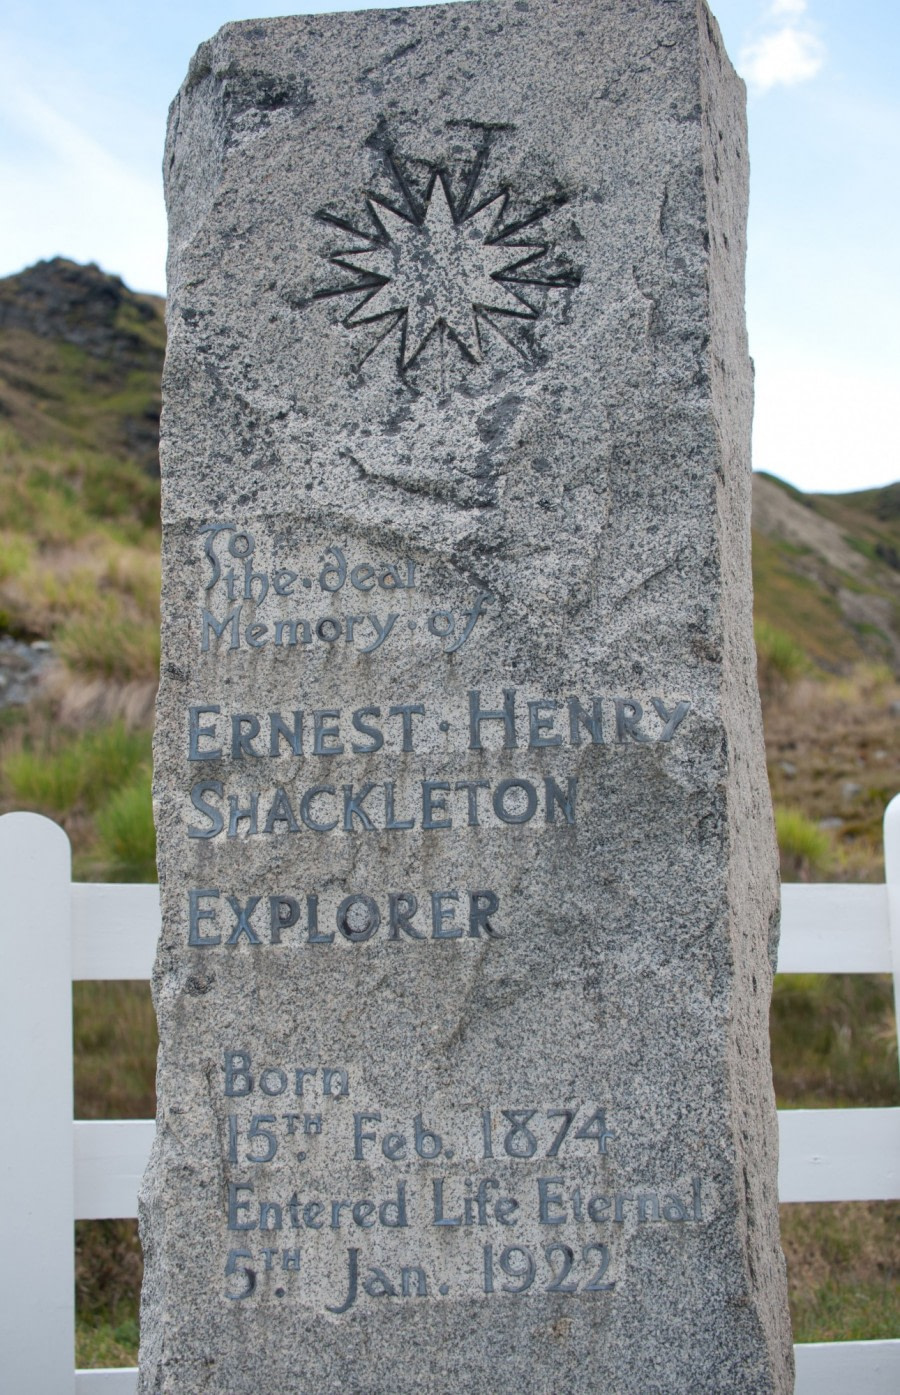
{"x": 444, "y": 266}
{"x": 439, "y": 272}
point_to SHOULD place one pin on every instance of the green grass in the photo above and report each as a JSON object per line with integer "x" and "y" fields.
{"x": 58, "y": 776}
{"x": 873, "y": 512}
{"x": 103, "y": 398}
{"x": 104, "y": 645}
{"x": 108, "y": 1269}
{"x": 114, "y": 1031}
{"x": 789, "y": 489}
{"x": 800, "y": 607}
{"x": 126, "y": 839}
{"x": 102, "y": 1345}
{"x": 834, "y": 1041}
{"x": 79, "y": 550}
{"x": 842, "y": 1311}
{"x": 56, "y": 493}
{"x": 779, "y": 657}
{"x": 149, "y": 330}
{"x": 807, "y": 851}
{"x": 843, "y": 1270}
{"x": 16, "y": 554}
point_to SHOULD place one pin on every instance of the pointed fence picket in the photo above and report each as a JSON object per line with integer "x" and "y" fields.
{"x": 54, "y": 1171}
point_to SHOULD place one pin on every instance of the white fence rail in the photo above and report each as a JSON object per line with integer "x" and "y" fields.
{"x": 54, "y": 1171}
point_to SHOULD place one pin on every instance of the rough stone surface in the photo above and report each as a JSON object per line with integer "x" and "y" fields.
{"x": 22, "y": 668}
{"x": 457, "y": 421}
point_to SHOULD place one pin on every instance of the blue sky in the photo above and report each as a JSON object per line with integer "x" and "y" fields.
{"x": 84, "y": 88}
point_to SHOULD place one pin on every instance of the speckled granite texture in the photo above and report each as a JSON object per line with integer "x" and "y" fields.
{"x": 466, "y": 852}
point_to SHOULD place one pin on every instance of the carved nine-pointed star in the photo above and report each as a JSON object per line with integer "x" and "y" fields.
{"x": 438, "y": 272}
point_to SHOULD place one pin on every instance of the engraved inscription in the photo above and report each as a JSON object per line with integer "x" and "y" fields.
{"x": 492, "y": 1178}
{"x": 327, "y": 1199}
{"x": 216, "y": 918}
{"x": 251, "y": 605}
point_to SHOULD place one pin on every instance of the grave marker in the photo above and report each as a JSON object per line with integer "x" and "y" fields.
{"x": 466, "y": 853}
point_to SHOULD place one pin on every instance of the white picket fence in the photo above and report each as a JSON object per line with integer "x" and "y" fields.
{"x": 54, "y": 1171}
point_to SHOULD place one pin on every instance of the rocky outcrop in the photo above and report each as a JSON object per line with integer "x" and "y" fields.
{"x": 21, "y": 668}
{"x": 80, "y": 360}
{"x": 79, "y": 305}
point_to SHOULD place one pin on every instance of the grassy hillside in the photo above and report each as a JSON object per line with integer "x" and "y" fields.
{"x": 80, "y": 360}
{"x": 826, "y": 572}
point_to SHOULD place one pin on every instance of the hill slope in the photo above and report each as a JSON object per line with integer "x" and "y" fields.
{"x": 80, "y": 364}
{"x": 826, "y": 571}
{"x": 80, "y": 361}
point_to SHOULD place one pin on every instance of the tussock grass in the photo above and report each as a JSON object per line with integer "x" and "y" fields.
{"x": 61, "y": 776}
{"x": 96, "y": 599}
{"x": 833, "y": 753}
{"x": 79, "y": 544}
{"x": 806, "y": 849}
{"x": 780, "y": 659}
{"x": 108, "y": 646}
{"x": 804, "y": 609}
{"x": 843, "y": 1267}
{"x": 834, "y": 1041}
{"x": 85, "y": 701}
{"x": 135, "y": 574}
{"x": 108, "y": 1268}
{"x": 56, "y": 493}
{"x": 16, "y": 554}
{"x": 97, "y": 784}
{"x": 126, "y": 844}
{"x": 870, "y": 684}
{"x": 41, "y": 785}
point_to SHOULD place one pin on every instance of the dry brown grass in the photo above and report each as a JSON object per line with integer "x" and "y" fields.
{"x": 843, "y": 1269}
{"x": 80, "y": 702}
{"x": 833, "y": 751}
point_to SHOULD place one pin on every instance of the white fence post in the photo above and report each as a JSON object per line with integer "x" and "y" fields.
{"x": 37, "y": 1310}
{"x": 892, "y": 877}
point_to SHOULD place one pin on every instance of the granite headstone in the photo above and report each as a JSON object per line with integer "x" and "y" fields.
{"x": 466, "y": 851}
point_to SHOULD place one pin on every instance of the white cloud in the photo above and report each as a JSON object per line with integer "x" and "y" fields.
{"x": 787, "y": 7}
{"x": 791, "y": 52}
{"x": 782, "y": 59}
